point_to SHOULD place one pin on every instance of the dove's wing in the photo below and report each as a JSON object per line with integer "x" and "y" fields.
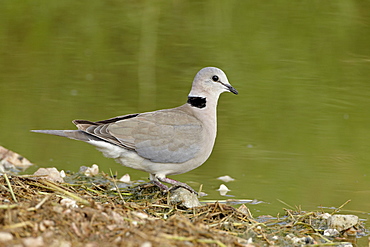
{"x": 166, "y": 136}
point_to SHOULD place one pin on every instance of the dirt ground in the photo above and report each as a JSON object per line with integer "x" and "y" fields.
{"x": 90, "y": 212}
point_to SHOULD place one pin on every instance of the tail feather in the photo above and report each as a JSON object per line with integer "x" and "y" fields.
{"x": 72, "y": 134}
{"x": 51, "y": 132}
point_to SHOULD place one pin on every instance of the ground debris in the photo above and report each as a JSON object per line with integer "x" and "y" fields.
{"x": 88, "y": 211}
{"x": 12, "y": 162}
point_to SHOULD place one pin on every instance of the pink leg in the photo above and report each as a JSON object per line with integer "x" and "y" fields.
{"x": 175, "y": 184}
{"x": 160, "y": 185}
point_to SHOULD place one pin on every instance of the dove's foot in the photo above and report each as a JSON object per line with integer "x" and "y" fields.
{"x": 175, "y": 184}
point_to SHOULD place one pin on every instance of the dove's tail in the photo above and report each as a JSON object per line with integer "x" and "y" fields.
{"x": 72, "y": 134}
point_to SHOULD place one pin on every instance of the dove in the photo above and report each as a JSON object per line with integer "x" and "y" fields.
{"x": 163, "y": 142}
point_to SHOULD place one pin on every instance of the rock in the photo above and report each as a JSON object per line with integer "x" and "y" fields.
{"x": 69, "y": 203}
{"x": 184, "y": 197}
{"x": 60, "y": 243}
{"x": 11, "y": 161}
{"x": 245, "y": 210}
{"x": 223, "y": 190}
{"x": 146, "y": 244}
{"x": 51, "y": 174}
{"x": 90, "y": 171}
{"x": 324, "y": 216}
{"x": 125, "y": 178}
{"x": 226, "y": 178}
{"x": 33, "y": 242}
{"x": 331, "y": 232}
{"x": 5, "y": 236}
{"x": 342, "y": 222}
{"x": 351, "y": 232}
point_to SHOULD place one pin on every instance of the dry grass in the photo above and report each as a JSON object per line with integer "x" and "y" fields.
{"x": 38, "y": 212}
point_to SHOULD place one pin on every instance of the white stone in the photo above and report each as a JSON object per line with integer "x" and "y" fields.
{"x": 146, "y": 244}
{"x": 92, "y": 171}
{"x": 52, "y": 174}
{"x": 69, "y": 203}
{"x": 125, "y": 178}
{"x": 325, "y": 216}
{"x": 33, "y": 242}
{"x": 184, "y": 197}
{"x": 223, "y": 190}
{"x": 5, "y": 236}
{"x": 62, "y": 174}
{"x": 226, "y": 178}
{"x": 331, "y": 232}
{"x": 342, "y": 222}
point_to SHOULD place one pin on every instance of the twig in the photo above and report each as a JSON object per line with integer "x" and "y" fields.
{"x": 17, "y": 225}
{"x": 69, "y": 194}
{"x": 290, "y": 214}
{"x": 286, "y": 204}
{"x": 340, "y": 207}
{"x": 115, "y": 185}
{"x": 200, "y": 189}
{"x": 39, "y": 204}
{"x": 10, "y": 187}
{"x": 322, "y": 237}
{"x": 8, "y": 206}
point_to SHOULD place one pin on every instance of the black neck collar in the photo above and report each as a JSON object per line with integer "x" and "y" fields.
{"x": 197, "y": 102}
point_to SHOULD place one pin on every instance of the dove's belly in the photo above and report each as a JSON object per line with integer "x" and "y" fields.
{"x": 131, "y": 159}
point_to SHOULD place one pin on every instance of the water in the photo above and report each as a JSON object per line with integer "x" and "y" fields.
{"x": 299, "y": 130}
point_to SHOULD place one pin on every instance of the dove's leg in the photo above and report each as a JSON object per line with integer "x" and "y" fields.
{"x": 175, "y": 184}
{"x": 160, "y": 185}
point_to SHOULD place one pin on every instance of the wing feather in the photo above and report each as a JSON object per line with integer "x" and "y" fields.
{"x": 166, "y": 136}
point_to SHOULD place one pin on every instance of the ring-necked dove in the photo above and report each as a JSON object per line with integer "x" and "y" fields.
{"x": 163, "y": 142}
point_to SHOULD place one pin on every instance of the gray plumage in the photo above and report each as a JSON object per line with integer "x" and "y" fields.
{"x": 164, "y": 142}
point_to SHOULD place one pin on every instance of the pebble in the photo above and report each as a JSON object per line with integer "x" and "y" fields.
{"x": 184, "y": 197}
{"x": 33, "y": 242}
{"x": 223, "y": 190}
{"x": 125, "y": 178}
{"x": 226, "y": 178}
{"x": 52, "y": 174}
{"x": 342, "y": 222}
{"x": 5, "y": 236}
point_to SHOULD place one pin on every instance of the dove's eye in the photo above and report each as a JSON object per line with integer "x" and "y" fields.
{"x": 215, "y": 78}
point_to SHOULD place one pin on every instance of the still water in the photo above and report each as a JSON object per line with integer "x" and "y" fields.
{"x": 299, "y": 130}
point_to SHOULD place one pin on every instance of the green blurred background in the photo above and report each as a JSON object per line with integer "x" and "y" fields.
{"x": 299, "y": 130}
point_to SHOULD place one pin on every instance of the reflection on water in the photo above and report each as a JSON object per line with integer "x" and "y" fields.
{"x": 298, "y": 130}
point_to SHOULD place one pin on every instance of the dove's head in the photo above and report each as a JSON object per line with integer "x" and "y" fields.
{"x": 210, "y": 82}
